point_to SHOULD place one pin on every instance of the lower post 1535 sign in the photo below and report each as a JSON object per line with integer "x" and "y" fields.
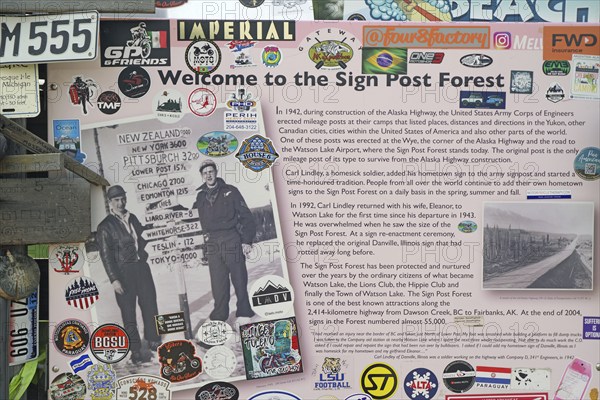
{"x": 48, "y": 38}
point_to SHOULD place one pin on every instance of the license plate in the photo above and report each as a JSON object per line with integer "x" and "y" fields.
{"x": 48, "y": 38}
{"x": 23, "y": 330}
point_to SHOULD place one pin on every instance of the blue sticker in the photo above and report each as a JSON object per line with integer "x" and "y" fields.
{"x": 67, "y": 138}
{"x": 420, "y": 384}
{"x": 591, "y": 328}
{"x": 257, "y": 153}
{"x": 587, "y": 163}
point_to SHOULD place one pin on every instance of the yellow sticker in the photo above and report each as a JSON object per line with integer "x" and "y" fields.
{"x": 379, "y": 381}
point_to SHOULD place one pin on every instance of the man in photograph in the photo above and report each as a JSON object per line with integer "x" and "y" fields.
{"x": 122, "y": 252}
{"x": 229, "y": 228}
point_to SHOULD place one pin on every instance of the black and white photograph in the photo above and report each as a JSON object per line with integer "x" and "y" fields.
{"x": 532, "y": 245}
{"x": 178, "y": 232}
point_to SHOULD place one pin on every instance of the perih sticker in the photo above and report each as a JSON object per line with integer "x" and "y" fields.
{"x": 67, "y": 386}
{"x": 219, "y": 362}
{"x": 202, "y": 102}
{"x": 134, "y": 82}
{"x": 71, "y": 337}
{"x": 459, "y": 376}
{"x": 217, "y": 144}
{"x": 81, "y": 293}
{"x": 101, "y": 382}
{"x": 214, "y": 333}
{"x": 168, "y": 106}
{"x": 109, "y": 343}
{"x": 143, "y": 387}
{"x": 170, "y": 323}
{"x": 587, "y": 163}
{"x": 272, "y": 296}
{"x": 218, "y": 390}
{"x": 67, "y": 258}
{"x": 178, "y": 360}
{"x": 203, "y": 56}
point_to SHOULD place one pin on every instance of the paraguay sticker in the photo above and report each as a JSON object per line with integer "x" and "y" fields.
{"x": 143, "y": 387}
{"x": 101, "y": 382}
{"x": 82, "y": 293}
{"x": 214, "y": 333}
{"x": 587, "y": 163}
{"x": 219, "y": 362}
{"x": 168, "y": 106}
{"x": 271, "y": 56}
{"x": 420, "y": 384}
{"x": 257, "y": 153}
{"x": 459, "y": 376}
{"x": 109, "y": 343}
{"x": 67, "y": 386}
{"x": 272, "y": 296}
{"x": 178, "y": 360}
{"x": 67, "y": 258}
{"x": 71, "y": 337}
{"x": 202, "y": 102}
{"x": 217, "y": 144}
{"x": 203, "y": 56}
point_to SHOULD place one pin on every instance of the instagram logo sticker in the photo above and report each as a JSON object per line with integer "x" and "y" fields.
{"x": 502, "y": 40}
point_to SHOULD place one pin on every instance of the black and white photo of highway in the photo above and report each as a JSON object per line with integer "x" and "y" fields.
{"x": 533, "y": 245}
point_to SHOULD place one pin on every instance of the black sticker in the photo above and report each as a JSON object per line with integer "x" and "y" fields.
{"x": 134, "y": 82}
{"x": 135, "y": 43}
{"x": 459, "y": 376}
{"x": 109, "y": 102}
{"x": 71, "y": 337}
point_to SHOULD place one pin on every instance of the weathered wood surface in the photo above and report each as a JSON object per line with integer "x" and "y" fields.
{"x": 22, "y": 136}
{"x": 31, "y": 163}
{"x": 44, "y": 210}
{"x": 63, "y": 6}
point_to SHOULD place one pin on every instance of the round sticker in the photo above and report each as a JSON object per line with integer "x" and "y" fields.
{"x": 134, "y": 82}
{"x": 272, "y": 297}
{"x": 67, "y": 386}
{"x": 217, "y": 144}
{"x": 214, "y": 333}
{"x": 67, "y": 259}
{"x": 459, "y": 376}
{"x": 372, "y": 383}
{"x": 109, "y": 102}
{"x": 587, "y": 163}
{"x": 109, "y": 343}
{"x": 467, "y": 226}
{"x": 251, "y": 3}
{"x": 218, "y": 390}
{"x": 202, "y": 102}
{"x": 168, "y": 106}
{"x": 203, "y": 56}
{"x": 420, "y": 384}
{"x": 71, "y": 337}
{"x": 81, "y": 293}
{"x": 274, "y": 395}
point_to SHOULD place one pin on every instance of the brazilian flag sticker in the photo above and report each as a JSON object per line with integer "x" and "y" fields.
{"x": 379, "y": 60}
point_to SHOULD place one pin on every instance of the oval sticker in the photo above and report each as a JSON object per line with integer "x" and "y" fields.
{"x": 217, "y": 144}
{"x": 467, "y": 226}
{"x": 330, "y": 54}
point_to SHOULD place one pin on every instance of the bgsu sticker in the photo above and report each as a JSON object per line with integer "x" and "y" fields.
{"x": 109, "y": 343}
{"x": 178, "y": 361}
